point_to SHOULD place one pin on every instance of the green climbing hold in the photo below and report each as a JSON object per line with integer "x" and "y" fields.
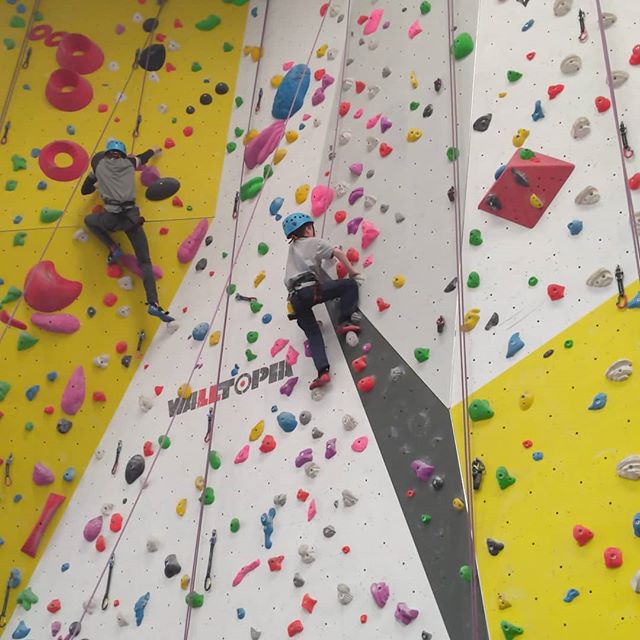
{"x": 510, "y": 631}
{"x": 231, "y": 147}
{"x": 209, "y": 23}
{"x": 18, "y": 162}
{"x": 425, "y": 518}
{"x": 452, "y": 154}
{"x": 26, "y": 598}
{"x": 526, "y": 154}
{"x": 17, "y": 22}
{"x": 9, "y": 44}
{"x": 503, "y": 478}
{"x": 164, "y": 442}
{"x": 10, "y": 185}
{"x": 26, "y": 341}
{"x": 174, "y": 120}
{"x": 473, "y": 281}
{"x": 250, "y": 355}
{"x": 236, "y": 3}
{"x": 238, "y": 132}
{"x": 196, "y": 66}
{"x": 462, "y": 46}
{"x": 29, "y": 426}
{"x": 227, "y": 47}
{"x": 421, "y": 354}
{"x": 5, "y": 387}
{"x": 475, "y": 237}
{"x": 414, "y": 105}
{"x": 255, "y": 306}
{"x": 49, "y": 215}
{"x": 224, "y": 254}
{"x": 465, "y": 573}
{"x": 568, "y": 344}
{"x": 214, "y": 460}
{"x": 480, "y": 410}
{"x": 513, "y": 76}
{"x": 194, "y": 599}
{"x": 38, "y": 16}
{"x": 235, "y": 525}
{"x": 189, "y": 207}
{"x": 267, "y": 171}
{"x": 208, "y": 496}
{"x": 239, "y": 101}
{"x": 263, "y": 248}
{"x": 425, "y": 7}
{"x": 231, "y": 289}
{"x": 533, "y": 281}
{"x": 252, "y": 337}
{"x": 13, "y": 293}
{"x": 19, "y": 238}
{"x": 251, "y": 188}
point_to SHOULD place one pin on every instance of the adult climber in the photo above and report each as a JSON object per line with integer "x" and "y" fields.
{"x": 308, "y": 284}
{"x": 114, "y": 173}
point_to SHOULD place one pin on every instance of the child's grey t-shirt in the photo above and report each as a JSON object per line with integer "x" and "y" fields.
{"x": 306, "y": 256}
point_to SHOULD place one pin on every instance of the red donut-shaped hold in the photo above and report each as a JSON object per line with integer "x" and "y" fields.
{"x": 54, "y": 38}
{"x": 68, "y": 91}
{"x": 79, "y": 53}
{"x": 49, "y": 153}
{"x": 40, "y": 32}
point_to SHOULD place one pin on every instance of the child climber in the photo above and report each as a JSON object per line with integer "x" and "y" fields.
{"x": 114, "y": 172}
{"x": 308, "y": 285}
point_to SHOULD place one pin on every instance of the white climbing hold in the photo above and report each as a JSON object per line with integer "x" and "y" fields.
{"x": 349, "y": 423}
{"x": 352, "y": 339}
{"x": 317, "y": 122}
{"x": 600, "y": 278}
{"x": 153, "y": 76}
{"x": 102, "y": 362}
{"x": 153, "y": 544}
{"x": 571, "y": 64}
{"x": 372, "y": 143}
{"x": 344, "y": 594}
{"x": 123, "y": 312}
{"x": 589, "y": 195}
{"x": 372, "y": 45}
{"x": 137, "y": 17}
{"x": 562, "y": 7}
{"x": 122, "y": 620}
{"x": 163, "y": 108}
{"x": 312, "y": 470}
{"x": 332, "y": 54}
{"x": 145, "y": 404}
{"x": 635, "y": 582}
{"x": 106, "y": 509}
{"x": 581, "y": 128}
{"x": 386, "y": 72}
{"x": 370, "y": 201}
{"x": 608, "y": 19}
{"x": 280, "y": 499}
{"x": 629, "y": 468}
{"x": 255, "y": 634}
{"x": 172, "y": 327}
{"x": 620, "y": 370}
{"x": 618, "y": 78}
{"x": 173, "y": 45}
{"x": 306, "y": 553}
{"x": 348, "y": 498}
{"x": 125, "y": 283}
{"x": 113, "y": 66}
{"x": 317, "y": 394}
{"x": 373, "y": 90}
{"x": 340, "y": 189}
{"x": 399, "y": 218}
{"x": 81, "y": 236}
{"x": 99, "y": 454}
{"x": 344, "y": 138}
{"x": 347, "y": 84}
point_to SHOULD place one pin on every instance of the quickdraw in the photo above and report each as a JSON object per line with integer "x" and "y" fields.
{"x": 621, "y": 302}
{"x": 105, "y": 599}
{"x": 27, "y": 59}
{"x": 583, "y": 29}
{"x": 259, "y": 101}
{"x": 114, "y": 469}
{"x": 5, "y": 133}
{"x": 207, "y": 436}
{"x": 627, "y": 150}
{"x": 7, "y": 471}
{"x": 5, "y": 604}
{"x": 212, "y": 545}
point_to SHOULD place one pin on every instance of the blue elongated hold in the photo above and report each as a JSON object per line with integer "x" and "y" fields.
{"x": 499, "y": 171}
{"x": 32, "y": 392}
{"x": 538, "y": 113}
{"x": 515, "y": 344}
{"x": 276, "y": 205}
{"x": 575, "y": 227}
{"x": 64, "y": 567}
{"x": 267, "y": 526}
{"x": 241, "y": 613}
{"x": 571, "y": 595}
{"x": 139, "y": 607}
{"x": 21, "y": 631}
{"x": 254, "y": 12}
{"x": 636, "y": 525}
{"x": 599, "y": 401}
{"x": 527, "y": 25}
{"x": 200, "y": 331}
{"x": 15, "y": 578}
{"x": 634, "y": 303}
{"x": 290, "y": 95}
{"x": 287, "y": 421}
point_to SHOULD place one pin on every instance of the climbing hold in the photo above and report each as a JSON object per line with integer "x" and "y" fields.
{"x": 209, "y": 23}
{"x": 510, "y": 631}
{"x": 92, "y": 529}
{"x": 42, "y": 475}
{"x": 503, "y": 478}
{"x": 139, "y": 607}
{"x": 475, "y": 237}
{"x": 602, "y": 104}
{"x": 295, "y": 628}
{"x": 471, "y": 319}
{"x": 291, "y": 93}
{"x": 134, "y": 469}
{"x": 515, "y": 344}
{"x": 21, "y": 631}
{"x": 555, "y": 291}
{"x": 404, "y": 614}
{"x": 619, "y": 371}
{"x": 494, "y": 547}
{"x": 526, "y": 400}
{"x": 599, "y": 402}
{"x": 473, "y": 281}
{"x": 482, "y": 123}
{"x": 513, "y": 76}
{"x": 422, "y": 470}
{"x": 398, "y": 281}
{"x": 171, "y": 566}
{"x": 571, "y": 595}
{"x": 629, "y": 468}
{"x": 538, "y": 113}
{"x": 421, "y": 354}
{"x": 462, "y": 46}
{"x": 575, "y": 227}
{"x": 251, "y": 188}
{"x": 26, "y": 341}
{"x": 287, "y": 421}
{"x": 612, "y": 557}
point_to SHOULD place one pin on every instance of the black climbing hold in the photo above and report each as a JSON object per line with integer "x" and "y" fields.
{"x": 437, "y": 482}
{"x": 134, "y": 469}
{"x": 493, "y": 321}
{"x": 190, "y": 109}
{"x": 126, "y": 361}
{"x": 91, "y": 311}
{"x": 547, "y": 354}
{"x": 493, "y": 202}
{"x": 152, "y": 58}
{"x": 519, "y": 177}
{"x": 426, "y": 635}
{"x": 494, "y": 546}
{"x": 451, "y": 194}
{"x": 428, "y": 111}
{"x": 482, "y": 123}
{"x": 162, "y": 189}
{"x": 222, "y": 88}
{"x": 64, "y": 425}
{"x": 304, "y": 418}
{"x": 316, "y": 434}
{"x": 171, "y": 566}
{"x": 201, "y": 265}
{"x": 206, "y": 98}
{"x": 150, "y": 24}
{"x": 208, "y": 240}
{"x": 437, "y": 84}
{"x": 451, "y": 286}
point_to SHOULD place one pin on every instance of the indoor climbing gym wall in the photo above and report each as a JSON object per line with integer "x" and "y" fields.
{"x": 468, "y": 472}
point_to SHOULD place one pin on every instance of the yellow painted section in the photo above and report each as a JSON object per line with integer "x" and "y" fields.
{"x": 196, "y": 161}
{"x": 575, "y": 483}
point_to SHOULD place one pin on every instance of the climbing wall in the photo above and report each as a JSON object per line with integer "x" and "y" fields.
{"x": 550, "y": 401}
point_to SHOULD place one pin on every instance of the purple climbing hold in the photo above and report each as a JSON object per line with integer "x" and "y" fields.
{"x": 149, "y": 175}
{"x": 422, "y": 470}
{"x": 306, "y": 455}
{"x": 355, "y": 195}
{"x": 318, "y": 97}
{"x": 353, "y": 226}
{"x": 287, "y": 388}
{"x": 92, "y": 529}
{"x": 385, "y": 124}
{"x": 404, "y": 614}
{"x": 380, "y": 593}
{"x": 327, "y": 81}
{"x": 42, "y": 475}
{"x": 330, "y": 449}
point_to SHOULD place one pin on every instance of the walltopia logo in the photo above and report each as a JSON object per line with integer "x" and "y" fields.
{"x": 240, "y": 384}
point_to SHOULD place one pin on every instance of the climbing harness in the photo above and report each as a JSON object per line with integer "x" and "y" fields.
{"x": 259, "y": 101}
{"x": 114, "y": 469}
{"x": 621, "y": 302}
{"x": 627, "y": 150}
{"x": 105, "y": 599}
{"x": 5, "y": 604}
{"x": 7, "y": 471}
{"x": 583, "y": 29}
{"x": 212, "y": 545}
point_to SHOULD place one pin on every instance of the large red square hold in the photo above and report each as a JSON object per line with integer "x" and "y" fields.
{"x": 526, "y": 188}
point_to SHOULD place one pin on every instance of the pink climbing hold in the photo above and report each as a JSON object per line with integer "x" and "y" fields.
{"x": 278, "y": 346}
{"x": 242, "y": 455}
{"x": 292, "y": 356}
{"x": 149, "y": 175}
{"x": 356, "y": 168}
{"x": 244, "y": 571}
{"x": 415, "y": 29}
{"x": 422, "y": 470}
{"x": 360, "y": 444}
{"x": 321, "y": 198}
{"x": 74, "y": 393}
{"x": 318, "y": 97}
{"x": 373, "y": 22}
{"x": 373, "y": 121}
{"x": 368, "y": 261}
{"x": 45, "y": 290}
{"x": 327, "y": 81}
{"x": 56, "y": 323}
{"x": 259, "y": 149}
{"x": 130, "y": 262}
{"x": 287, "y": 65}
{"x": 369, "y": 233}
{"x": 189, "y": 246}
{"x": 92, "y": 529}
{"x": 42, "y": 475}
{"x": 311, "y": 511}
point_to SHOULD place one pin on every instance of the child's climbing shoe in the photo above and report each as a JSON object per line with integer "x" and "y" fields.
{"x": 115, "y": 253}
{"x": 156, "y": 310}
{"x": 320, "y": 381}
{"x": 345, "y": 327}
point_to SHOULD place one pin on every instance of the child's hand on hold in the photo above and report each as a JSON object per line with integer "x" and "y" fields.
{"x": 157, "y": 151}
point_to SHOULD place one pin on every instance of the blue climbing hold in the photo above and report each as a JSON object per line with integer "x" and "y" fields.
{"x": 139, "y": 607}
{"x": 276, "y": 205}
{"x": 274, "y": 408}
{"x": 42, "y": 185}
{"x": 65, "y": 567}
{"x": 1, "y": 541}
{"x": 71, "y": 130}
{"x": 69, "y": 475}
{"x": 266, "y": 318}
{"x": 571, "y": 595}
{"x": 515, "y": 344}
{"x": 17, "y": 498}
{"x": 575, "y": 227}
{"x": 32, "y": 392}
{"x": 538, "y": 113}
{"x": 254, "y": 12}
{"x": 200, "y": 331}
{"x": 634, "y": 303}
{"x": 26, "y": 87}
{"x": 301, "y": 126}
{"x": 21, "y": 8}
{"x": 527, "y": 25}
{"x": 35, "y": 152}
{"x": 636, "y": 525}
{"x": 290, "y": 95}
{"x": 599, "y": 401}
{"x": 537, "y": 455}
{"x": 15, "y": 578}
{"x": 287, "y": 421}
{"x": 17, "y": 219}
{"x": 499, "y": 171}
{"x": 241, "y": 613}
{"x": 52, "y": 376}
{"x": 267, "y": 526}
{"x": 21, "y": 631}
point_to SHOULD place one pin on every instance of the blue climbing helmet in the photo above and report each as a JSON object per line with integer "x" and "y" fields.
{"x": 294, "y": 221}
{"x": 117, "y": 145}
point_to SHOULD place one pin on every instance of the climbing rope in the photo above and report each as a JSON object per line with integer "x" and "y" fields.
{"x": 21, "y": 61}
{"x": 76, "y": 186}
{"x": 459, "y": 231}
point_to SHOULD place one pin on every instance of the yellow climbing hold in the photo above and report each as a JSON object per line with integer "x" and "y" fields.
{"x": 276, "y": 81}
{"x": 526, "y": 400}
{"x": 291, "y": 136}
{"x": 302, "y": 193}
{"x": 254, "y": 52}
{"x": 214, "y": 338}
{"x": 184, "y": 582}
{"x": 503, "y": 603}
{"x": 520, "y": 137}
{"x": 250, "y": 135}
{"x": 502, "y": 94}
{"x": 413, "y": 79}
{"x": 199, "y": 483}
{"x": 471, "y": 319}
{"x": 535, "y": 202}
{"x": 458, "y": 505}
{"x": 279, "y": 155}
{"x": 259, "y": 278}
{"x": 181, "y": 507}
{"x": 256, "y": 432}
{"x": 184, "y": 391}
{"x": 398, "y": 281}
{"x": 413, "y": 135}
{"x": 322, "y": 50}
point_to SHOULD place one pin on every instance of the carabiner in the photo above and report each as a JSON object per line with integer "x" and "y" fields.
{"x": 7, "y": 471}
{"x": 236, "y": 205}
{"x": 621, "y": 301}
{"x": 207, "y": 437}
{"x": 583, "y": 30}
{"x": 627, "y": 150}
{"x": 27, "y": 58}
{"x": 5, "y": 133}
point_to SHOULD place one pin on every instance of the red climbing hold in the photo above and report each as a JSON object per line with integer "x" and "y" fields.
{"x": 554, "y": 90}
{"x": 103, "y": 108}
{"x": 359, "y": 364}
{"x": 47, "y": 291}
{"x": 531, "y": 55}
{"x": 302, "y": 495}
{"x": 319, "y": 74}
{"x": 187, "y": 131}
{"x": 555, "y": 291}
{"x": 51, "y": 151}
{"x": 275, "y": 564}
{"x": 114, "y": 271}
{"x": 385, "y": 149}
{"x": 527, "y": 444}
{"x": 115, "y": 523}
{"x": 363, "y": 618}
{"x": 346, "y": 549}
{"x": 366, "y": 384}
{"x": 54, "y": 606}
{"x": 99, "y": 396}
{"x": 362, "y": 19}
{"x": 323, "y": 9}
{"x": 602, "y": 104}
{"x": 353, "y": 255}
{"x": 176, "y": 202}
{"x": 360, "y": 86}
{"x": 169, "y": 67}
{"x": 109, "y": 299}
{"x": 147, "y": 448}
{"x": 612, "y": 557}
{"x": 169, "y": 143}
{"x": 308, "y": 603}
{"x": 340, "y": 216}
{"x": 410, "y": 493}
{"x": 12, "y": 322}
{"x": 635, "y": 55}
{"x": 582, "y": 535}
{"x": 295, "y": 628}
{"x": 101, "y": 545}
{"x": 344, "y": 108}
{"x": 382, "y": 305}
{"x": 67, "y": 90}
{"x": 121, "y": 346}
{"x": 49, "y": 410}
{"x": 163, "y": 231}
{"x": 158, "y": 389}
{"x": 634, "y": 181}
{"x": 79, "y": 53}
{"x": 268, "y": 444}
{"x": 177, "y": 23}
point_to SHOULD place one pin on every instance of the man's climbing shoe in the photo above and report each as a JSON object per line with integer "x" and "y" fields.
{"x": 345, "y": 327}
{"x": 115, "y": 253}
{"x": 157, "y": 311}
{"x": 320, "y": 381}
